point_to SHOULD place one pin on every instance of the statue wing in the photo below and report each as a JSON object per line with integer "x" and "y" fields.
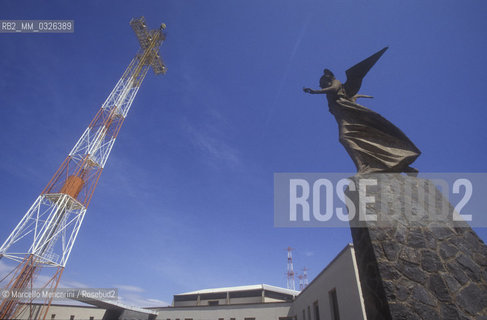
{"x": 356, "y": 73}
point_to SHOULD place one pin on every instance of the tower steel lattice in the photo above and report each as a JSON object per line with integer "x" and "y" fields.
{"x": 290, "y": 269}
{"x": 301, "y": 285}
{"x": 305, "y": 277}
{"x": 44, "y": 237}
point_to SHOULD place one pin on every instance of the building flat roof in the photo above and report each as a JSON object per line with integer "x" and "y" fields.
{"x": 243, "y": 288}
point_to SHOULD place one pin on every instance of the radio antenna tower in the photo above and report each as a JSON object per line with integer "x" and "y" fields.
{"x": 301, "y": 285}
{"x": 44, "y": 237}
{"x": 290, "y": 269}
{"x": 305, "y": 277}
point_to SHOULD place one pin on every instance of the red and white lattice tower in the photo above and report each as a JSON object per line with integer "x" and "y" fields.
{"x": 290, "y": 269}
{"x": 301, "y": 284}
{"x": 43, "y": 239}
{"x": 305, "y": 277}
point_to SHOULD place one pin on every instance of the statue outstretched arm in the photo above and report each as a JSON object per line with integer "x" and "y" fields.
{"x": 333, "y": 88}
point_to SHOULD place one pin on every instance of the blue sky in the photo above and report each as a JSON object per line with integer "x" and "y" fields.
{"x": 186, "y": 199}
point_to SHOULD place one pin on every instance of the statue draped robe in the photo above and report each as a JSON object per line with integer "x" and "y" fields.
{"x": 373, "y": 143}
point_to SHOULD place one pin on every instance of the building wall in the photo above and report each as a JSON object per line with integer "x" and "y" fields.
{"x": 185, "y": 303}
{"x": 267, "y": 299}
{"x": 207, "y": 302}
{"x": 246, "y": 300}
{"x": 63, "y": 312}
{"x": 340, "y": 275}
{"x": 234, "y": 297}
{"x": 261, "y": 311}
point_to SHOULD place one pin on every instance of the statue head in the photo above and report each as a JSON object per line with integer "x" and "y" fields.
{"x": 328, "y": 73}
{"x": 326, "y": 78}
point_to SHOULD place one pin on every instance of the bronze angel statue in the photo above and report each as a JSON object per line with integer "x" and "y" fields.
{"x": 373, "y": 143}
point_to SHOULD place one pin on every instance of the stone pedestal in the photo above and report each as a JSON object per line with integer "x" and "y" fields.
{"x": 412, "y": 264}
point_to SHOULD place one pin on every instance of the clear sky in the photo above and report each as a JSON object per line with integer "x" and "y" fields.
{"x": 186, "y": 199}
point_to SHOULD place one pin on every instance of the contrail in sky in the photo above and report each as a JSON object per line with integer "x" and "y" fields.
{"x": 291, "y": 58}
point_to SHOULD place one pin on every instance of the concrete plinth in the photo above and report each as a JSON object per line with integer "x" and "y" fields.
{"x": 415, "y": 262}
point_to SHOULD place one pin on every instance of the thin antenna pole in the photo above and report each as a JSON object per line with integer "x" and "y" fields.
{"x": 290, "y": 269}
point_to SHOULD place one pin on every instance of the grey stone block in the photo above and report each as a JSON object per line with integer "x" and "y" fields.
{"x": 472, "y": 298}
{"x": 430, "y": 261}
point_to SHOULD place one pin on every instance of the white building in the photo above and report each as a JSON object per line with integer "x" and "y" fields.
{"x": 335, "y": 294}
{"x": 245, "y": 302}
